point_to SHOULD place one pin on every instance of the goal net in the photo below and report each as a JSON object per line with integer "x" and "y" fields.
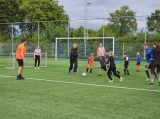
{"x": 30, "y": 62}
{"x": 85, "y": 46}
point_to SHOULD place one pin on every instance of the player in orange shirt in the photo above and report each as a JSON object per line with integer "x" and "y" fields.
{"x": 20, "y": 57}
{"x": 90, "y": 62}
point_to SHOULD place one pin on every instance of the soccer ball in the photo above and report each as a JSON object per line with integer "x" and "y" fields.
{"x": 83, "y": 74}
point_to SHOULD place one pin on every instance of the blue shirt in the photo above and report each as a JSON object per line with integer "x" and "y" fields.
{"x": 138, "y": 58}
{"x": 147, "y": 54}
{"x": 102, "y": 62}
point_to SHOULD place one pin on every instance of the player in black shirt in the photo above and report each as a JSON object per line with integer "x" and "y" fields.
{"x": 112, "y": 67}
{"x": 126, "y": 63}
{"x": 155, "y": 61}
{"x": 73, "y": 59}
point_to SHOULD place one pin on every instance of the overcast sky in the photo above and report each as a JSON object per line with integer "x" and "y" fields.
{"x": 101, "y": 8}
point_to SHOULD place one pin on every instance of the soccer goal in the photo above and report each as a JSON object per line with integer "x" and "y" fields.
{"x": 85, "y": 46}
{"x": 30, "y": 62}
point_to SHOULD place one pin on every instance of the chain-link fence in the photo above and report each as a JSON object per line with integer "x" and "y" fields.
{"x": 133, "y": 31}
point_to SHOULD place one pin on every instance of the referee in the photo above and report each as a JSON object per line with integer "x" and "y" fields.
{"x": 20, "y": 57}
{"x": 155, "y": 61}
{"x": 37, "y": 56}
{"x": 73, "y": 59}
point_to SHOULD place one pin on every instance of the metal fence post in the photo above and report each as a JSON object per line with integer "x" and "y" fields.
{"x": 123, "y": 49}
{"x": 12, "y": 37}
{"x": 38, "y": 33}
{"x": 68, "y": 37}
{"x": 103, "y": 30}
{"x": 145, "y": 34}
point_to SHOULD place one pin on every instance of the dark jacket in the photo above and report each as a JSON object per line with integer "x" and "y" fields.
{"x": 111, "y": 61}
{"x": 74, "y": 53}
{"x": 126, "y": 61}
{"x": 156, "y": 54}
{"x": 102, "y": 62}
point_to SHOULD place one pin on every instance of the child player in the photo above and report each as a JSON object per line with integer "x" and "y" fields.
{"x": 145, "y": 46}
{"x": 107, "y": 55}
{"x": 103, "y": 65}
{"x": 90, "y": 62}
{"x": 138, "y": 61}
{"x": 112, "y": 67}
{"x": 126, "y": 63}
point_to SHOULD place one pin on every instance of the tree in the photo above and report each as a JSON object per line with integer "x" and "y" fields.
{"x": 43, "y": 10}
{"x": 153, "y": 23}
{"x": 107, "y": 31}
{"x": 9, "y": 12}
{"x": 123, "y": 21}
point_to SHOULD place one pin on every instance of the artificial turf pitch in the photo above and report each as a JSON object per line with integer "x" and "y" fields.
{"x": 52, "y": 93}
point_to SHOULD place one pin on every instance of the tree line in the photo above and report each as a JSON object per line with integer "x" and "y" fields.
{"x": 121, "y": 24}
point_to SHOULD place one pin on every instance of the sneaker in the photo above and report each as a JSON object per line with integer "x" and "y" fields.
{"x": 121, "y": 79}
{"x": 151, "y": 84}
{"x": 156, "y": 77}
{"x": 128, "y": 74}
{"x": 69, "y": 71}
{"x": 111, "y": 81}
{"x": 35, "y": 68}
{"x": 137, "y": 71}
{"x": 124, "y": 74}
{"x": 19, "y": 78}
{"x": 147, "y": 79}
{"x": 90, "y": 71}
{"x": 38, "y": 68}
{"x": 100, "y": 75}
{"x": 22, "y": 77}
{"x": 74, "y": 72}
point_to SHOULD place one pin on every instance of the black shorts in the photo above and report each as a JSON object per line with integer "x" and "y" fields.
{"x": 104, "y": 68}
{"x": 125, "y": 66}
{"x": 20, "y": 62}
{"x": 138, "y": 63}
{"x": 149, "y": 66}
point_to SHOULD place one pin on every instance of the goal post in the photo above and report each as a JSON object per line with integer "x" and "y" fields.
{"x": 86, "y": 46}
{"x": 30, "y": 62}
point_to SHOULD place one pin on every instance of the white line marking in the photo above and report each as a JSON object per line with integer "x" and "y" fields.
{"x": 88, "y": 84}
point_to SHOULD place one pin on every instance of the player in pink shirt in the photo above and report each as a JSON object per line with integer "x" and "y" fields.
{"x": 100, "y": 52}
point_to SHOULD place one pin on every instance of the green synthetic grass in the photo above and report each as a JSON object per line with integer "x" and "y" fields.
{"x": 39, "y": 99}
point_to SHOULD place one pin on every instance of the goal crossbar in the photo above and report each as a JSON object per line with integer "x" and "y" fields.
{"x": 83, "y": 38}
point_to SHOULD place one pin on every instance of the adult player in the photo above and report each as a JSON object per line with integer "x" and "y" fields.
{"x": 100, "y": 53}
{"x": 155, "y": 61}
{"x": 20, "y": 57}
{"x": 37, "y": 56}
{"x": 73, "y": 59}
{"x": 145, "y": 46}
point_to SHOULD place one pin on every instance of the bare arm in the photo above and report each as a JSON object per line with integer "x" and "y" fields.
{"x": 34, "y": 54}
{"x": 23, "y": 57}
